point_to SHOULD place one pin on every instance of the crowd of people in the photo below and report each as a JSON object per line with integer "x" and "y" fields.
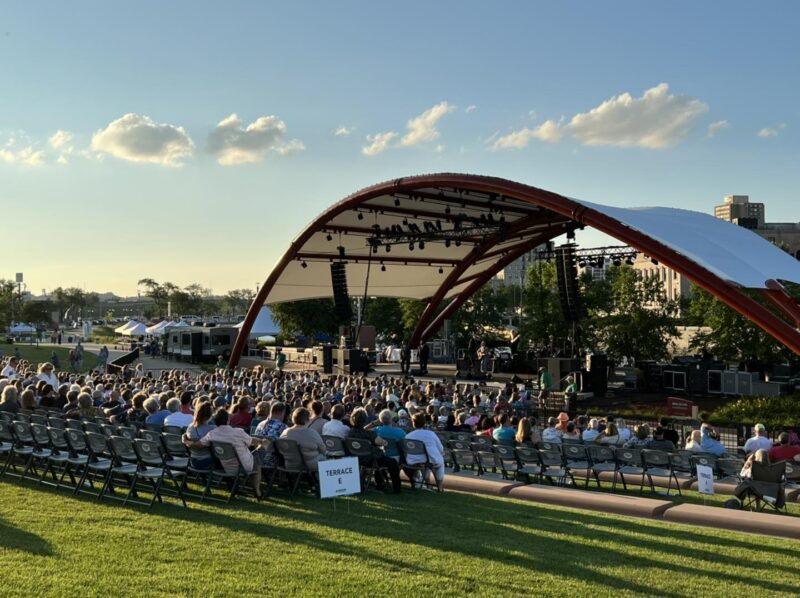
{"x": 251, "y": 408}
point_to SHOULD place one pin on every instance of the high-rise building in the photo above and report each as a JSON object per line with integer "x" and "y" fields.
{"x": 740, "y": 210}
{"x": 516, "y": 272}
{"x": 673, "y": 283}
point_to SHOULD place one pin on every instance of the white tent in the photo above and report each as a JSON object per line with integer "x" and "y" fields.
{"x": 126, "y": 326}
{"x": 158, "y": 329}
{"x": 180, "y": 324}
{"x": 264, "y": 324}
{"x": 23, "y": 329}
{"x": 138, "y": 330}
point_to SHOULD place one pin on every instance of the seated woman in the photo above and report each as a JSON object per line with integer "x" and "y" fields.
{"x": 310, "y": 442}
{"x": 241, "y": 443}
{"x": 200, "y": 426}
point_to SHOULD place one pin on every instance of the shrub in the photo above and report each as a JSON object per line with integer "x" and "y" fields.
{"x": 771, "y": 411}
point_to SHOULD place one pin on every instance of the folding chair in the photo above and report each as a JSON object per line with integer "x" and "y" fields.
{"x": 177, "y": 455}
{"x": 729, "y": 470}
{"x": 6, "y": 444}
{"x": 529, "y": 464}
{"x": 151, "y": 435}
{"x": 703, "y": 459}
{"x": 368, "y": 464}
{"x": 154, "y": 469}
{"x": 58, "y": 456}
{"x": 56, "y": 422}
{"x": 73, "y": 424}
{"x": 293, "y": 465}
{"x": 657, "y": 463}
{"x": 576, "y": 459}
{"x": 485, "y": 457}
{"x": 128, "y": 432}
{"x": 224, "y": 452}
{"x": 629, "y": 462}
{"x": 552, "y": 463}
{"x": 409, "y": 447}
{"x": 460, "y": 436}
{"x": 78, "y": 457}
{"x": 39, "y": 418}
{"x": 109, "y": 430}
{"x": 506, "y": 458}
{"x": 462, "y": 454}
{"x": 125, "y": 462}
{"x": 41, "y": 448}
{"x": 334, "y": 447}
{"x": 172, "y": 430}
{"x": 22, "y": 446}
{"x": 548, "y": 446}
{"x": 603, "y": 459}
{"x": 93, "y": 427}
{"x": 766, "y": 487}
{"x": 100, "y": 463}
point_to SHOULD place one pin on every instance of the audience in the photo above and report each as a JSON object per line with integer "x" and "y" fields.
{"x": 759, "y": 440}
{"x": 310, "y": 442}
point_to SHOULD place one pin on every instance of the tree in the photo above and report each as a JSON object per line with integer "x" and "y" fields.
{"x": 9, "y": 302}
{"x": 412, "y": 311}
{"x": 541, "y": 307}
{"x": 37, "y": 313}
{"x": 159, "y": 293}
{"x": 386, "y": 314}
{"x": 237, "y": 301}
{"x": 638, "y": 320}
{"x": 732, "y": 336}
{"x": 308, "y": 317}
{"x": 480, "y": 315}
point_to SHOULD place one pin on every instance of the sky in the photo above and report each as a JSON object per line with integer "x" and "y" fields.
{"x": 192, "y": 141}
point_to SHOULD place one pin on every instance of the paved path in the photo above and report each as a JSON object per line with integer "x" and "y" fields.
{"x": 150, "y": 364}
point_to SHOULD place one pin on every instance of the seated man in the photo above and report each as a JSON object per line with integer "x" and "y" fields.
{"x": 358, "y": 420}
{"x": 433, "y": 446}
{"x": 551, "y": 433}
{"x": 759, "y": 440}
{"x": 784, "y": 451}
{"x": 659, "y": 443}
{"x": 708, "y": 443}
{"x": 392, "y": 434}
{"x": 177, "y": 417}
{"x": 336, "y": 427}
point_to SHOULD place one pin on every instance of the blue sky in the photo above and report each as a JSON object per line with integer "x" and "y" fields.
{"x": 180, "y": 190}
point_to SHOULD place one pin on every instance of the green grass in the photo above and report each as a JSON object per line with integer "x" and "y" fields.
{"x": 52, "y": 544}
{"x": 37, "y": 355}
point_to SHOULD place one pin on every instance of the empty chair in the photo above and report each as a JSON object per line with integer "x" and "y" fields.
{"x": 6, "y": 445}
{"x": 529, "y": 465}
{"x": 56, "y": 422}
{"x": 58, "y": 456}
{"x": 177, "y": 455}
{"x": 603, "y": 459}
{"x": 703, "y": 459}
{"x": 78, "y": 456}
{"x": 22, "y": 446}
{"x": 553, "y": 467}
{"x": 460, "y": 436}
{"x": 629, "y": 463}
{"x": 73, "y": 424}
{"x": 368, "y": 464}
{"x": 109, "y": 430}
{"x": 39, "y": 418}
{"x": 153, "y": 468}
{"x": 729, "y": 470}
{"x": 128, "y": 432}
{"x": 506, "y": 458}
{"x": 462, "y": 454}
{"x": 151, "y": 435}
{"x": 100, "y": 463}
{"x": 657, "y": 463}
{"x": 576, "y": 460}
{"x": 173, "y": 430}
{"x": 94, "y": 427}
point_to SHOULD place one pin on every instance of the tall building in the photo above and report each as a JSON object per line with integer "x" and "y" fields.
{"x": 739, "y": 210}
{"x": 674, "y": 284}
{"x": 517, "y": 271}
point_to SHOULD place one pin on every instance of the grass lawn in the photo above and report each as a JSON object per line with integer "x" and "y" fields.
{"x": 414, "y": 544}
{"x": 37, "y": 355}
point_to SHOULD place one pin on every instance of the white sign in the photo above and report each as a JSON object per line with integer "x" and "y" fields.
{"x": 339, "y": 477}
{"x": 705, "y": 479}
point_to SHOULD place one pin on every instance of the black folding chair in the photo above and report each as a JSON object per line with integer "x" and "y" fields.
{"x": 529, "y": 464}
{"x": 629, "y": 462}
{"x": 368, "y": 464}
{"x": 603, "y": 459}
{"x": 552, "y": 463}
{"x": 292, "y": 464}
{"x": 657, "y": 463}
{"x": 154, "y": 469}
{"x": 6, "y": 444}
{"x": 409, "y": 447}
{"x": 506, "y": 457}
{"x": 334, "y": 447}
{"x": 461, "y": 454}
{"x": 101, "y": 462}
{"x": 576, "y": 459}
{"x": 78, "y": 457}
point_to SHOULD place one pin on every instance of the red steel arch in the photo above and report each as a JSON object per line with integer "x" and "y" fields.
{"x": 562, "y": 211}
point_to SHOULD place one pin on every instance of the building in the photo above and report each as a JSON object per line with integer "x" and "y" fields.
{"x": 674, "y": 284}
{"x": 517, "y": 271}
{"x": 738, "y": 209}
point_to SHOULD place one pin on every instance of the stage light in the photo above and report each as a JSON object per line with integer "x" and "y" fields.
{"x": 360, "y": 216}
{"x": 629, "y": 261}
{"x": 329, "y": 237}
{"x": 458, "y": 243}
{"x": 422, "y": 244}
{"x": 388, "y": 248}
{"x": 383, "y": 268}
{"x": 582, "y": 263}
{"x": 447, "y": 242}
{"x": 411, "y": 246}
{"x": 447, "y": 210}
{"x": 397, "y": 201}
{"x": 654, "y": 261}
{"x": 441, "y": 270}
{"x": 303, "y": 264}
{"x": 617, "y": 261}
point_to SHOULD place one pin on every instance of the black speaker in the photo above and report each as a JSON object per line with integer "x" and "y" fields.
{"x": 598, "y": 374}
{"x": 568, "y": 293}
{"x": 341, "y": 296}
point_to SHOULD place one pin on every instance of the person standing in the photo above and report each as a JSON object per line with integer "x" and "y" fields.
{"x": 280, "y": 360}
{"x": 405, "y": 358}
{"x": 102, "y": 359}
{"x": 424, "y": 355}
{"x": 545, "y": 386}
{"x": 483, "y": 358}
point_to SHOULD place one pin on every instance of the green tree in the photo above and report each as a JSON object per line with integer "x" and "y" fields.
{"x": 237, "y": 301}
{"x": 481, "y": 315}
{"x": 308, "y": 317}
{"x": 386, "y": 314}
{"x": 731, "y": 337}
{"x": 9, "y": 302}
{"x": 37, "y": 313}
{"x": 412, "y": 311}
{"x": 542, "y": 315}
{"x": 638, "y": 321}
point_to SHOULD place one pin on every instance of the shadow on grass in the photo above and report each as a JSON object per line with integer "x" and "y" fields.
{"x": 525, "y": 535}
{"x": 14, "y": 538}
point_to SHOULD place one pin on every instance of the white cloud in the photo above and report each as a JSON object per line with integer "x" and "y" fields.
{"x": 422, "y": 128}
{"x": 140, "y": 139}
{"x": 378, "y": 143}
{"x": 547, "y": 131}
{"x": 233, "y": 143}
{"x": 716, "y": 127}
{"x": 656, "y": 120}
{"x": 771, "y": 131}
{"x": 60, "y": 139}
{"x": 342, "y": 131}
{"x": 27, "y": 156}
{"x": 470, "y": 108}
{"x": 439, "y": 149}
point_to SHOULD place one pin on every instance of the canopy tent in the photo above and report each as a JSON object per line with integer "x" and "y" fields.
{"x": 138, "y": 330}
{"x": 439, "y": 238}
{"x": 22, "y": 329}
{"x": 158, "y": 329}
{"x": 264, "y": 325}
{"x": 179, "y": 324}
{"x": 126, "y": 326}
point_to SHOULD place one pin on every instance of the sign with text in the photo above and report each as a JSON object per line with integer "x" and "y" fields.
{"x": 705, "y": 479}
{"x": 679, "y": 407}
{"x": 339, "y": 477}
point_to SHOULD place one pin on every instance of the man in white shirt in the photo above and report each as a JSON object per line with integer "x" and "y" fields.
{"x": 551, "y": 433}
{"x": 758, "y": 441}
{"x": 176, "y": 417}
{"x": 335, "y": 427}
{"x": 10, "y": 371}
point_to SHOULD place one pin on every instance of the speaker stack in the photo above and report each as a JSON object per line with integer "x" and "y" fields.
{"x": 567, "y": 274}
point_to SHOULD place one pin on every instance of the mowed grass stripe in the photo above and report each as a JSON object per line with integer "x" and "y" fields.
{"x": 424, "y": 543}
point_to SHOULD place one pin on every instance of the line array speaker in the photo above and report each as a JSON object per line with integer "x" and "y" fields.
{"x": 341, "y": 296}
{"x": 568, "y": 292}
